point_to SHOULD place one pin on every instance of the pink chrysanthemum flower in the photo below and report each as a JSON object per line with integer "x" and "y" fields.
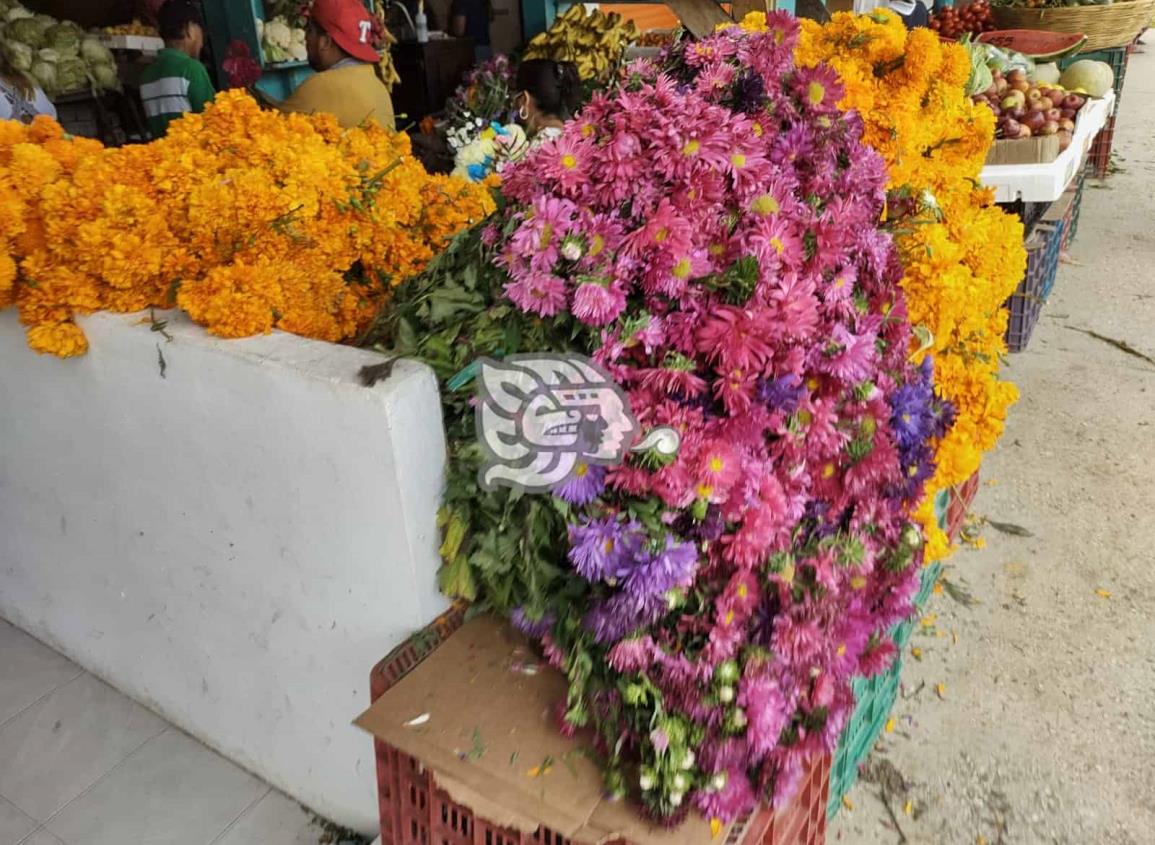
{"x": 597, "y": 303}
{"x": 877, "y": 658}
{"x": 632, "y": 655}
{"x": 818, "y": 89}
{"x": 565, "y": 161}
{"x": 734, "y": 798}
{"x": 540, "y": 294}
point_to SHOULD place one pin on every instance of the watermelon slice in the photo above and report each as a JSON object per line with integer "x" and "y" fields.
{"x": 1036, "y": 44}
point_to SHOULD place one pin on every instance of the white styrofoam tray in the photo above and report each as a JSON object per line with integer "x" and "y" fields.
{"x": 1046, "y": 182}
{"x": 140, "y": 43}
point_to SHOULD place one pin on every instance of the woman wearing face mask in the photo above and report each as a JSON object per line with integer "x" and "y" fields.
{"x": 549, "y": 93}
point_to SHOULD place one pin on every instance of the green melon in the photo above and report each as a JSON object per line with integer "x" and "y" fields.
{"x": 1096, "y": 78}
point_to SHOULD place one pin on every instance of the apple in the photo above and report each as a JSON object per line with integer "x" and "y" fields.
{"x": 1011, "y": 103}
{"x": 1067, "y": 114}
{"x": 1034, "y": 95}
{"x": 1001, "y": 84}
{"x": 1073, "y": 101}
{"x": 1011, "y": 127}
{"x": 1049, "y": 128}
{"x": 1017, "y": 75}
{"x": 1024, "y": 131}
{"x": 1053, "y": 114}
{"x": 1021, "y": 85}
{"x": 1047, "y": 102}
{"x": 1036, "y": 106}
{"x": 1035, "y": 120}
{"x": 1018, "y": 112}
{"x": 1066, "y": 125}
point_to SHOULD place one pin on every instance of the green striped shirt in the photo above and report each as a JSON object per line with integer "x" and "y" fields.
{"x": 174, "y": 84}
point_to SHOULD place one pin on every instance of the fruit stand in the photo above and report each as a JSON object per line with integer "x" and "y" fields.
{"x": 1046, "y": 182}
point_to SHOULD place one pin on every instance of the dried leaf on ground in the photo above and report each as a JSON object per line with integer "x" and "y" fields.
{"x": 1009, "y": 528}
{"x": 959, "y": 594}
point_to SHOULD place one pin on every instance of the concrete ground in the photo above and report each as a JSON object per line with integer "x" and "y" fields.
{"x": 1044, "y": 730}
{"x": 80, "y": 764}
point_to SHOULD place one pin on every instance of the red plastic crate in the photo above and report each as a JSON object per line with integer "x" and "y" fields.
{"x": 414, "y": 811}
{"x": 961, "y": 499}
{"x": 1071, "y": 220}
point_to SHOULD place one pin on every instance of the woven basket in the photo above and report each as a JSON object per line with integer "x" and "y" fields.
{"x": 1116, "y": 25}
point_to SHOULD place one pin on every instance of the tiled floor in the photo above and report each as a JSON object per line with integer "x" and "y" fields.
{"x": 80, "y": 764}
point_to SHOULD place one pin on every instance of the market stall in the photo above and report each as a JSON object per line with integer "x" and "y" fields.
{"x": 778, "y": 244}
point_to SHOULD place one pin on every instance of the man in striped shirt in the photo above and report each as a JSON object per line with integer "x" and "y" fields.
{"x": 176, "y": 82}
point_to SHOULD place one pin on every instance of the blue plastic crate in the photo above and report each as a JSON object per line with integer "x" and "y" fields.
{"x": 1044, "y": 246}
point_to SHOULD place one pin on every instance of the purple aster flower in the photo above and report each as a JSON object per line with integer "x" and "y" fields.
{"x": 749, "y": 92}
{"x": 535, "y": 628}
{"x": 911, "y": 415}
{"x": 711, "y": 527}
{"x": 781, "y": 394}
{"x": 673, "y": 566}
{"x": 585, "y": 483}
{"x": 601, "y": 548}
{"x": 621, "y": 615}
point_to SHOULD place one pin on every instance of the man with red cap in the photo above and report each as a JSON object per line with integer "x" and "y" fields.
{"x": 349, "y": 83}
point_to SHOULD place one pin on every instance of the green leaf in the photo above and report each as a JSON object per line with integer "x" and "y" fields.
{"x": 456, "y": 580}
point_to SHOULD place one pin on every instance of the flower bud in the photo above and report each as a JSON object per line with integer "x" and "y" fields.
{"x": 676, "y": 799}
{"x": 727, "y": 672}
{"x": 726, "y": 694}
{"x": 646, "y": 780}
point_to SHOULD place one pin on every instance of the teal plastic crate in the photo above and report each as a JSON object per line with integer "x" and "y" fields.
{"x": 874, "y": 699}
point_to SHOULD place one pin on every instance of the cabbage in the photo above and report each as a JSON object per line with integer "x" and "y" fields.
{"x": 95, "y": 53}
{"x": 105, "y": 77}
{"x": 64, "y": 37}
{"x": 20, "y": 56}
{"x": 17, "y": 13}
{"x": 71, "y": 74}
{"x": 45, "y": 75}
{"x": 981, "y": 79}
{"x": 27, "y": 31}
{"x": 48, "y": 55}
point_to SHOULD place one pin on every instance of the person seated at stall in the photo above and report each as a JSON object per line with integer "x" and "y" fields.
{"x": 470, "y": 18}
{"x": 349, "y": 82}
{"x": 176, "y": 83}
{"x": 21, "y": 99}
{"x": 548, "y": 94}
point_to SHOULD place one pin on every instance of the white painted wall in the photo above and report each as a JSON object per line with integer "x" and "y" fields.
{"x": 235, "y": 544}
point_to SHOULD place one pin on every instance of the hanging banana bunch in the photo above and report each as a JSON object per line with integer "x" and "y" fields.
{"x": 595, "y": 42}
{"x": 385, "y": 67}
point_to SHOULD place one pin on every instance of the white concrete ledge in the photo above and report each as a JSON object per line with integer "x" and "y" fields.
{"x": 234, "y": 543}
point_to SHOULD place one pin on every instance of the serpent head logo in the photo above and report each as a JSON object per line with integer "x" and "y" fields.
{"x": 539, "y": 415}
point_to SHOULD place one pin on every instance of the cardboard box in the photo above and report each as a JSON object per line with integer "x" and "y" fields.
{"x": 478, "y": 713}
{"x": 1035, "y": 150}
